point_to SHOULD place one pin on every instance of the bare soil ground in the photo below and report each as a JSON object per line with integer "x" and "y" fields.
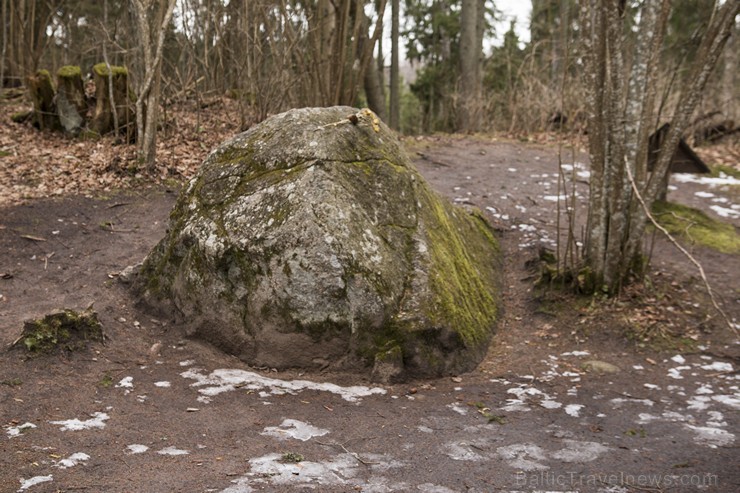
{"x": 153, "y": 411}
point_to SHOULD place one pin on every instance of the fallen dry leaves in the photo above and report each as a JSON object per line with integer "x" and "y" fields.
{"x": 36, "y": 164}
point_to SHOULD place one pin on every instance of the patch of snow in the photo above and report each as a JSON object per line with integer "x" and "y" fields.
{"x": 553, "y": 198}
{"x": 97, "y": 421}
{"x": 716, "y": 419}
{"x": 698, "y": 402}
{"x": 292, "y": 428}
{"x": 705, "y": 389}
{"x": 162, "y": 384}
{"x": 458, "y": 409}
{"x": 718, "y": 366}
{"x": 27, "y": 483}
{"x": 646, "y": 418}
{"x": 712, "y": 182}
{"x": 136, "y": 448}
{"x": 340, "y": 470}
{"x": 433, "y": 488}
{"x": 704, "y": 195}
{"x": 14, "y": 431}
{"x": 678, "y": 359}
{"x": 728, "y": 400}
{"x": 574, "y": 410}
{"x": 73, "y": 460}
{"x": 576, "y": 353}
{"x": 126, "y": 382}
{"x": 462, "y": 451}
{"x": 548, "y": 404}
{"x": 172, "y": 451}
{"x": 617, "y": 403}
{"x": 577, "y": 451}
{"x": 523, "y": 456}
{"x": 515, "y": 405}
{"x": 724, "y": 211}
{"x": 710, "y": 436}
{"x": 651, "y": 386}
{"x": 225, "y": 380}
{"x": 675, "y": 373}
{"x": 187, "y": 362}
{"x": 638, "y": 367}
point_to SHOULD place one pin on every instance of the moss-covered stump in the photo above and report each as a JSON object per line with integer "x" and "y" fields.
{"x": 103, "y": 119}
{"x": 71, "y": 105}
{"x": 42, "y": 92}
{"x": 66, "y": 330}
{"x": 311, "y": 241}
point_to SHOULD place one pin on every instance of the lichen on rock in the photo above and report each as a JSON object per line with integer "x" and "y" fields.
{"x": 311, "y": 241}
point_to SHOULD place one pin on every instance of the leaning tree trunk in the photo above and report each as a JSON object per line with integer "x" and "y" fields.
{"x": 621, "y": 106}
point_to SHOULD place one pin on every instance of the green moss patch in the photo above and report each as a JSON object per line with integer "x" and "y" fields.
{"x": 69, "y": 71}
{"x": 101, "y": 69}
{"x": 67, "y": 330}
{"x": 722, "y": 169}
{"x": 697, "y": 227}
{"x": 463, "y": 294}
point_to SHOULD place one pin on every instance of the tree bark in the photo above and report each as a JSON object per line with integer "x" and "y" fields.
{"x": 113, "y": 81}
{"x": 41, "y": 90}
{"x": 71, "y": 104}
{"x": 395, "y": 79}
{"x": 151, "y": 30}
{"x": 621, "y": 117}
{"x": 469, "y": 68}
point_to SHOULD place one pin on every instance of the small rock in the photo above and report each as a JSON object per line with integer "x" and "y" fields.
{"x": 128, "y": 274}
{"x": 388, "y": 365}
{"x": 599, "y": 367}
{"x": 155, "y": 349}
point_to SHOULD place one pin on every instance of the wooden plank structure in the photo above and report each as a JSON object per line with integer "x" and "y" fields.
{"x": 684, "y": 160}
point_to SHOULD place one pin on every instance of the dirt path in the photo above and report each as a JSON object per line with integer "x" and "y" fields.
{"x": 152, "y": 411}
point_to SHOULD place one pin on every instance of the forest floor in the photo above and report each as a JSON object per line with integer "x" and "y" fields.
{"x": 635, "y": 394}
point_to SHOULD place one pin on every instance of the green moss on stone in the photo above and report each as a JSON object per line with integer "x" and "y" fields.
{"x": 463, "y": 295}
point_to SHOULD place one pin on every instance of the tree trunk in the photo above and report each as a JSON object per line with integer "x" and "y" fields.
{"x": 374, "y": 92}
{"x": 395, "y": 82}
{"x": 621, "y": 117}
{"x": 467, "y": 114}
{"x": 151, "y": 30}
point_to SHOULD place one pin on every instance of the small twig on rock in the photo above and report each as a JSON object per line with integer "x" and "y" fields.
{"x": 353, "y": 454}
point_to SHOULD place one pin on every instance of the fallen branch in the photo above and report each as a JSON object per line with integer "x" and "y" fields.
{"x": 353, "y": 454}
{"x": 682, "y": 250}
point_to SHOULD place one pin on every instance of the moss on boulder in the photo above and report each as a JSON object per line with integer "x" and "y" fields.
{"x": 311, "y": 241}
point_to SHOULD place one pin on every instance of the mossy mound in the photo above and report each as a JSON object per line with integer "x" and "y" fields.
{"x": 696, "y": 227}
{"x": 311, "y": 241}
{"x": 67, "y": 330}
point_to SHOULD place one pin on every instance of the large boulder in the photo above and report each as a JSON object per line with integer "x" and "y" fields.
{"x": 311, "y": 241}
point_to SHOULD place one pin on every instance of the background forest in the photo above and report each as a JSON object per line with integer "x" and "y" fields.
{"x": 271, "y": 55}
